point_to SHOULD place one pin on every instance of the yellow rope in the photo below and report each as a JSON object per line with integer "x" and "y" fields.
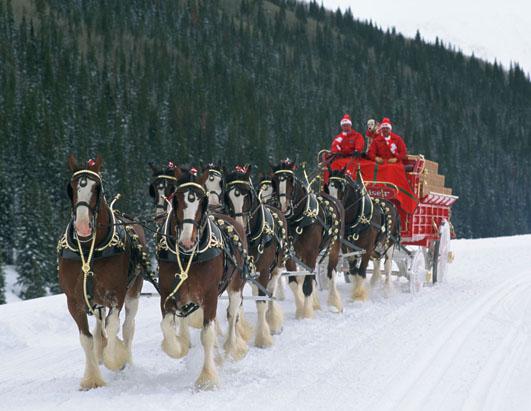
{"x": 183, "y": 275}
{"x": 85, "y": 267}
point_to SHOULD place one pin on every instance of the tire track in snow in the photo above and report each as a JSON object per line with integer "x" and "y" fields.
{"x": 410, "y": 390}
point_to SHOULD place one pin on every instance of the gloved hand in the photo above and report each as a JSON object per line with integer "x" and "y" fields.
{"x": 392, "y": 160}
{"x": 379, "y": 160}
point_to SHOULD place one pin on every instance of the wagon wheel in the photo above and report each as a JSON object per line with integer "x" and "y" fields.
{"x": 441, "y": 253}
{"x": 417, "y": 271}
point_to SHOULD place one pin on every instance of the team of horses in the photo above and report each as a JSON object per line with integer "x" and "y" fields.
{"x": 216, "y": 231}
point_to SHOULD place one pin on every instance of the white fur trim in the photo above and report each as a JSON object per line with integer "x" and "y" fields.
{"x": 345, "y": 121}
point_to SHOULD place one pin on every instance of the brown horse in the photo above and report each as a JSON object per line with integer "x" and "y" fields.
{"x": 314, "y": 226}
{"x": 265, "y": 227}
{"x": 200, "y": 256}
{"x": 372, "y": 225}
{"x": 99, "y": 266}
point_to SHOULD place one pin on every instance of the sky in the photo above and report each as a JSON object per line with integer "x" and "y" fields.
{"x": 491, "y": 29}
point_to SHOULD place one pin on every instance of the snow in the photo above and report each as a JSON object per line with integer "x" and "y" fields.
{"x": 11, "y": 287}
{"x": 463, "y": 344}
{"x": 490, "y": 29}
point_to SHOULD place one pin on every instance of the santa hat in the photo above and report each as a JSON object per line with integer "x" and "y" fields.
{"x": 345, "y": 120}
{"x": 386, "y": 123}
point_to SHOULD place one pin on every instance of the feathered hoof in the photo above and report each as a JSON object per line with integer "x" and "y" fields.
{"x": 89, "y": 383}
{"x": 375, "y": 280}
{"x": 174, "y": 347}
{"x": 245, "y": 329}
{"x": 335, "y": 302}
{"x": 263, "y": 340}
{"x": 315, "y": 301}
{"x": 195, "y": 320}
{"x": 275, "y": 319}
{"x": 360, "y": 295}
{"x": 207, "y": 380}
{"x": 115, "y": 358}
{"x": 299, "y": 313}
{"x": 237, "y": 350}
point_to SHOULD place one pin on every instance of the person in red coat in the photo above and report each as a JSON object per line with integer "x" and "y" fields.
{"x": 348, "y": 141}
{"x": 387, "y": 145}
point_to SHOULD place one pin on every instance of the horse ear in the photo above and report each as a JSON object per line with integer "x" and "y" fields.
{"x": 72, "y": 163}
{"x": 177, "y": 172}
{"x": 152, "y": 191}
{"x": 70, "y": 191}
{"x": 249, "y": 168}
{"x": 99, "y": 161}
{"x": 202, "y": 180}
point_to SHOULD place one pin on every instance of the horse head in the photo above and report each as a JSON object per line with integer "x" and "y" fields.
{"x": 215, "y": 182}
{"x": 283, "y": 182}
{"x": 162, "y": 187}
{"x": 240, "y": 197}
{"x": 265, "y": 188}
{"x": 85, "y": 190}
{"x": 190, "y": 204}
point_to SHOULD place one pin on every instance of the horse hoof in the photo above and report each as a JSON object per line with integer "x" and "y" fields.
{"x": 207, "y": 380}
{"x": 277, "y": 332}
{"x": 91, "y": 383}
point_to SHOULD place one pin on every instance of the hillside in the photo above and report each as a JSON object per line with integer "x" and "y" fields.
{"x": 195, "y": 81}
{"x": 463, "y": 344}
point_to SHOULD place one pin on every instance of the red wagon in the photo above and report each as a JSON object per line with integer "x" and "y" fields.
{"x": 424, "y": 251}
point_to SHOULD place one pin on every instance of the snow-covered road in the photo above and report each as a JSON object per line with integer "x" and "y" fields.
{"x": 465, "y": 344}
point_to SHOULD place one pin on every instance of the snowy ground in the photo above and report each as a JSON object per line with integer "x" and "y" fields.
{"x": 464, "y": 344}
{"x": 491, "y": 29}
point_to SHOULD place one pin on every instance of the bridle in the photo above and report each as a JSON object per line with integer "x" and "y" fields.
{"x": 255, "y": 201}
{"x": 212, "y": 172}
{"x": 283, "y": 175}
{"x": 83, "y": 176}
{"x": 191, "y": 188}
{"x": 165, "y": 182}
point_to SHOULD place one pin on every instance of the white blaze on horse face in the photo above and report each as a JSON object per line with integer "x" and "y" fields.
{"x": 332, "y": 189}
{"x": 84, "y": 194}
{"x": 237, "y": 205}
{"x": 161, "y": 201}
{"x": 282, "y": 195}
{"x": 266, "y": 192}
{"x": 191, "y": 204}
{"x": 213, "y": 186}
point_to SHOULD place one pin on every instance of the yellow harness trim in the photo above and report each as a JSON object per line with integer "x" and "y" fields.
{"x": 191, "y": 184}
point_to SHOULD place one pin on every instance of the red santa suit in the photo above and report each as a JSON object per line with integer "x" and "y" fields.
{"x": 388, "y": 147}
{"x": 348, "y": 142}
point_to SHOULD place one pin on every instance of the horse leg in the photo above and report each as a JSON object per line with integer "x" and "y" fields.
{"x": 274, "y": 315}
{"x": 388, "y": 267}
{"x": 196, "y": 319}
{"x": 235, "y": 346}
{"x": 281, "y": 296}
{"x": 100, "y": 339}
{"x": 263, "y": 337}
{"x": 115, "y": 353}
{"x": 208, "y": 379}
{"x": 308, "y": 290}
{"x": 333, "y": 295}
{"x": 376, "y": 273}
{"x": 184, "y": 334}
{"x": 360, "y": 291}
{"x": 128, "y": 328}
{"x": 245, "y": 329}
{"x": 315, "y": 296}
{"x": 92, "y": 376}
{"x": 172, "y": 344}
{"x": 296, "y": 288}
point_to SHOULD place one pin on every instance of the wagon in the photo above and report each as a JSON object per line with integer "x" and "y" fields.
{"x": 424, "y": 251}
